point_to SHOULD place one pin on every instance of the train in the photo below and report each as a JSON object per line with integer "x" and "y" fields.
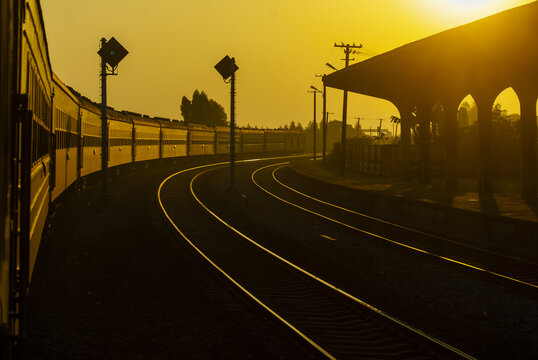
{"x": 50, "y": 138}
{"x": 76, "y": 138}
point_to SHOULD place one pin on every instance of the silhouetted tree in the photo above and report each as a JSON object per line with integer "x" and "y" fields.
{"x": 498, "y": 113}
{"x": 299, "y": 127}
{"x": 292, "y": 125}
{"x": 186, "y": 109}
{"x": 202, "y": 110}
{"x": 505, "y": 128}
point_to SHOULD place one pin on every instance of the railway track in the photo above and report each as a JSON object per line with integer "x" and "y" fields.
{"x": 511, "y": 270}
{"x": 334, "y": 322}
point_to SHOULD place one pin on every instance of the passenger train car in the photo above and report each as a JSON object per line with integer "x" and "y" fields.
{"x": 26, "y": 176}
{"x": 65, "y": 138}
{"x": 50, "y": 138}
{"x": 252, "y": 141}
{"x": 9, "y": 37}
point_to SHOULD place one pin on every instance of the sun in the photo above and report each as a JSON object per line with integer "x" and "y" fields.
{"x": 469, "y": 4}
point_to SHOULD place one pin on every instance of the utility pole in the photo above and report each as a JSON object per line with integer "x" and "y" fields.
{"x": 315, "y": 91}
{"x": 324, "y": 120}
{"x": 348, "y": 49}
{"x": 325, "y": 115}
{"x": 379, "y": 131}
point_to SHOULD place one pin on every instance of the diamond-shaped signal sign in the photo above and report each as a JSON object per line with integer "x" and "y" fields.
{"x": 112, "y": 52}
{"x": 226, "y": 67}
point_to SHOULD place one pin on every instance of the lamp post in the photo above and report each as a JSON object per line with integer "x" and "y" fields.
{"x": 315, "y": 91}
{"x": 324, "y": 142}
{"x": 324, "y": 119}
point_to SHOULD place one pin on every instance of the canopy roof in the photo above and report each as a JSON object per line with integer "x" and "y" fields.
{"x": 487, "y": 55}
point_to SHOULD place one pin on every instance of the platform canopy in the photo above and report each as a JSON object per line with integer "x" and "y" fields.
{"x": 487, "y": 55}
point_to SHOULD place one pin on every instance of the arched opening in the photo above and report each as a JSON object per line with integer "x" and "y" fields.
{"x": 467, "y": 120}
{"x": 506, "y": 142}
{"x": 467, "y": 112}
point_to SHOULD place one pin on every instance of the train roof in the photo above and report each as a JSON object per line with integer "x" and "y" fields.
{"x": 251, "y": 131}
{"x": 66, "y": 89}
{"x": 200, "y": 127}
{"x": 119, "y": 116}
{"x": 170, "y": 124}
{"x": 144, "y": 120}
{"x": 89, "y": 105}
{"x": 223, "y": 129}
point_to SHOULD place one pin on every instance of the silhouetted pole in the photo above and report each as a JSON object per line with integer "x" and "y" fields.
{"x": 315, "y": 126}
{"x": 315, "y": 91}
{"x": 104, "y": 125}
{"x": 379, "y": 131}
{"x": 227, "y": 68}
{"x": 325, "y": 115}
{"x": 232, "y": 127}
{"x": 347, "y": 50}
{"x": 111, "y": 53}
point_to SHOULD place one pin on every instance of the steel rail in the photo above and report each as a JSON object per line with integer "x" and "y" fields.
{"x": 424, "y": 233}
{"x": 323, "y": 282}
{"x": 219, "y": 269}
{"x": 453, "y": 261}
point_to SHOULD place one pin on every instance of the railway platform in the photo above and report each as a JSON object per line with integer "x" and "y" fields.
{"x": 501, "y": 222}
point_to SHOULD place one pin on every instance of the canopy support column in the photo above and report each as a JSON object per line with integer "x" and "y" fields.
{"x": 528, "y": 100}
{"x": 451, "y": 145}
{"x": 405, "y": 141}
{"x": 423, "y": 117}
{"x": 484, "y": 105}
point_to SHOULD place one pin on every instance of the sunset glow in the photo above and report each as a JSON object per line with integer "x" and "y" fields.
{"x": 280, "y": 46}
{"x": 450, "y": 10}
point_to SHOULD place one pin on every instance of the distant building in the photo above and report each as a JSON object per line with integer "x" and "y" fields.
{"x": 334, "y": 134}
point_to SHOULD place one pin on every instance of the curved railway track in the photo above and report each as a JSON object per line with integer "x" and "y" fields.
{"x": 336, "y": 323}
{"x": 508, "y": 269}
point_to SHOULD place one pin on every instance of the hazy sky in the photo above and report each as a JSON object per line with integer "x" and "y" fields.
{"x": 279, "y": 46}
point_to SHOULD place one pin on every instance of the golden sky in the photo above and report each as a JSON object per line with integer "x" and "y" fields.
{"x": 279, "y": 46}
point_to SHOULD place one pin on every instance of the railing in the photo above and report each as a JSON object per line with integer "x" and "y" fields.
{"x": 373, "y": 159}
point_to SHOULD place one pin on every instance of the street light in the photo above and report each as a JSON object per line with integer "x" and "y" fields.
{"x": 315, "y": 91}
{"x": 332, "y": 67}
